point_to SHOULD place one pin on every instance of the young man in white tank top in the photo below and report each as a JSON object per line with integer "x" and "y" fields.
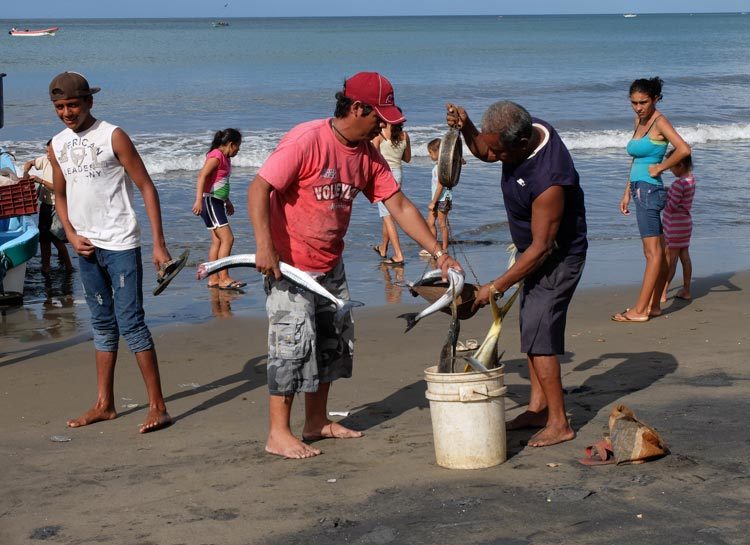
{"x": 95, "y": 166}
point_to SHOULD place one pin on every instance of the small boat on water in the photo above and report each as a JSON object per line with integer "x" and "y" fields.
{"x": 220, "y": 23}
{"x": 34, "y": 32}
{"x": 629, "y": 15}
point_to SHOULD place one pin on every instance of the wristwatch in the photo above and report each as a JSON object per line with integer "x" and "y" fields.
{"x": 494, "y": 292}
{"x": 437, "y": 255}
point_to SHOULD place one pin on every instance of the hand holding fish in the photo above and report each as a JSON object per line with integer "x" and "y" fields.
{"x": 483, "y": 295}
{"x": 267, "y": 261}
{"x": 445, "y": 261}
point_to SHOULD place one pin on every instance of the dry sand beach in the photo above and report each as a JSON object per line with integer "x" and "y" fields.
{"x": 207, "y": 480}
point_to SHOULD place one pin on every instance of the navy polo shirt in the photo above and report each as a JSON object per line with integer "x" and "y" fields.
{"x": 522, "y": 183}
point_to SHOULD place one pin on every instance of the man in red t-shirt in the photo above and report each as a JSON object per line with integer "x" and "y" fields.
{"x": 300, "y": 205}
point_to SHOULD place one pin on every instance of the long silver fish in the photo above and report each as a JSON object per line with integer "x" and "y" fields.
{"x": 456, "y": 285}
{"x": 448, "y": 352}
{"x": 486, "y": 355}
{"x": 293, "y": 274}
{"x": 428, "y": 279}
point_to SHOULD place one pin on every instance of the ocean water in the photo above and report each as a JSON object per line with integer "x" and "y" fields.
{"x": 171, "y": 82}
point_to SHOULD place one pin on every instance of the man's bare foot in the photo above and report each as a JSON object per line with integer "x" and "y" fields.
{"x": 330, "y": 430}
{"x": 684, "y": 294}
{"x": 157, "y": 419}
{"x": 551, "y": 436}
{"x": 93, "y": 415}
{"x": 288, "y": 446}
{"x": 528, "y": 419}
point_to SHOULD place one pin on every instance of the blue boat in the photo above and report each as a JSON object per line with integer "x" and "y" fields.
{"x": 19, "y": 239}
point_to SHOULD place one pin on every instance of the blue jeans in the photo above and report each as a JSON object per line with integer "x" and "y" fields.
{"x": 113, "y": 285}
{"x": 649, "y": 201}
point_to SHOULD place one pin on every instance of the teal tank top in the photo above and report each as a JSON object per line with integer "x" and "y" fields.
{"x": 645, "y": 152}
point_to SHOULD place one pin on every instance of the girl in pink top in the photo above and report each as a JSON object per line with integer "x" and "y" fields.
{"x": 213, "y": 205}
{"x": 678, "y": 225}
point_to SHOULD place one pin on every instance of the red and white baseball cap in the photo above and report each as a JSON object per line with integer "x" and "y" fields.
{"x": 373, "y": 89}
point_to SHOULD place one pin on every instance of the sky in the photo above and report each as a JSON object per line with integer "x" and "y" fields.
{"x": 54, "y": 9}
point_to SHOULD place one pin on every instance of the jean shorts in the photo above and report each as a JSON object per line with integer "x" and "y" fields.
{"x": 382, "y": 210}
{"x": 649, "y": 201}
{"x": 113, "y": 286}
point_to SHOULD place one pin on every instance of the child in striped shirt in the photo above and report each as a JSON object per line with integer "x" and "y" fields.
{"x": 678, "y": 225}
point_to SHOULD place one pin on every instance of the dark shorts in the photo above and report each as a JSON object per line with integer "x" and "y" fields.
{"x": 649, "y": 201}
{"x": 214, "y": 212}
{"x": 47, "y": 216}
{"x": 444, "y": 206}
{"x": 545, "y": 297}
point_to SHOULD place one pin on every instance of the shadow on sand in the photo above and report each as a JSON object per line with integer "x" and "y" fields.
{"x": 242, "y": 380}
{"x": 635, "y": 371}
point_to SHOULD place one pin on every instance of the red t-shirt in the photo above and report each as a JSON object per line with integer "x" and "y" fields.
{"x": 315, "y": 179}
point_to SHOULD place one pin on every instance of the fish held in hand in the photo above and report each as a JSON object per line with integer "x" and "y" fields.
{"x": 456, "y": 285}
{"x": 448, "y": 352}
{"x": 486, "y": 355}
{"x": 293, "y": 274}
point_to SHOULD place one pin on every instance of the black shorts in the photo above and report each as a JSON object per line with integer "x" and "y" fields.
{"x": 47, "y": 216}
{"x": 545, "y": 297}
{"x": 214, "y": 212}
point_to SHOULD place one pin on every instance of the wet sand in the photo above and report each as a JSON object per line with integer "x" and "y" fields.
{"x": 207, "y": 480}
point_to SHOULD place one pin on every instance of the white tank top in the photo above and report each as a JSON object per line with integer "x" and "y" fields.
{"x": 393, "y": 154}
{"x": 99, "y": 192}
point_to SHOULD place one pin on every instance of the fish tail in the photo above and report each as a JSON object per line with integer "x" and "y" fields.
{"x": 411, "y": 320}
{"x": 340, "y": 313}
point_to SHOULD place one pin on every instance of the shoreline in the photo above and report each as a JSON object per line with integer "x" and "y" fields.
{"x": 54, "y": 307}
{"x": 208, "y": 477}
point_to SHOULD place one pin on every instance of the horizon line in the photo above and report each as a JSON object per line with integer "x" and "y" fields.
{"x": 382, "y": 16}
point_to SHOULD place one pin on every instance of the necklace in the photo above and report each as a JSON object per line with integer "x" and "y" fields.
{"x": 348, "y": 142}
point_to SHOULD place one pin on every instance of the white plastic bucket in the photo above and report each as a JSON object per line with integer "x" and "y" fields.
{"x": 468, "y": 417}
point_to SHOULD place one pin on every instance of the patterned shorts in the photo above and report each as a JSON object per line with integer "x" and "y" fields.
{"x": 305, "y": 346}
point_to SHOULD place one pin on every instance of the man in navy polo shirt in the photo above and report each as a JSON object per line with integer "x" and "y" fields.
{"x": 547, "y": 221}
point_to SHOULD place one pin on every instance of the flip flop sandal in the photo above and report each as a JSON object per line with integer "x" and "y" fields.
{"x": 236, "y": 285}
{"x": 376, "y": 249}
{"x": 169, "y": 270}
{"x": 599, "y": 454}
{"x": 469, "y": 345}
{"x": 622, "y": 317}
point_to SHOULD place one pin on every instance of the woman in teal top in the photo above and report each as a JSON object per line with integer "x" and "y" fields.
{"x": 653, "y": 133}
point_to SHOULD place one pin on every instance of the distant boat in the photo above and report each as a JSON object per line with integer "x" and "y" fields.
{"x": 36, "y": 32}
{"x": 220, "y": 23}
{"x": 629, "y": 15}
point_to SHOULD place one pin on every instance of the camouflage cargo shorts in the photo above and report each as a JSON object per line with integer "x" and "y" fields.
{"x": 305, "y": 346}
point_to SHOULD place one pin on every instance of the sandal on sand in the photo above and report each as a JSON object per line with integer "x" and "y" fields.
{"x": 622, "y": 317}
{"x": 169, "y": 270}
{"x": 424, "y": 253}
{"x": 470, "y": 344}
{"x": 393, "y": 262}
{"x": 233, "y": 285}
{"x": 376, "y": 249}
{"x": 599, "y": 454}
